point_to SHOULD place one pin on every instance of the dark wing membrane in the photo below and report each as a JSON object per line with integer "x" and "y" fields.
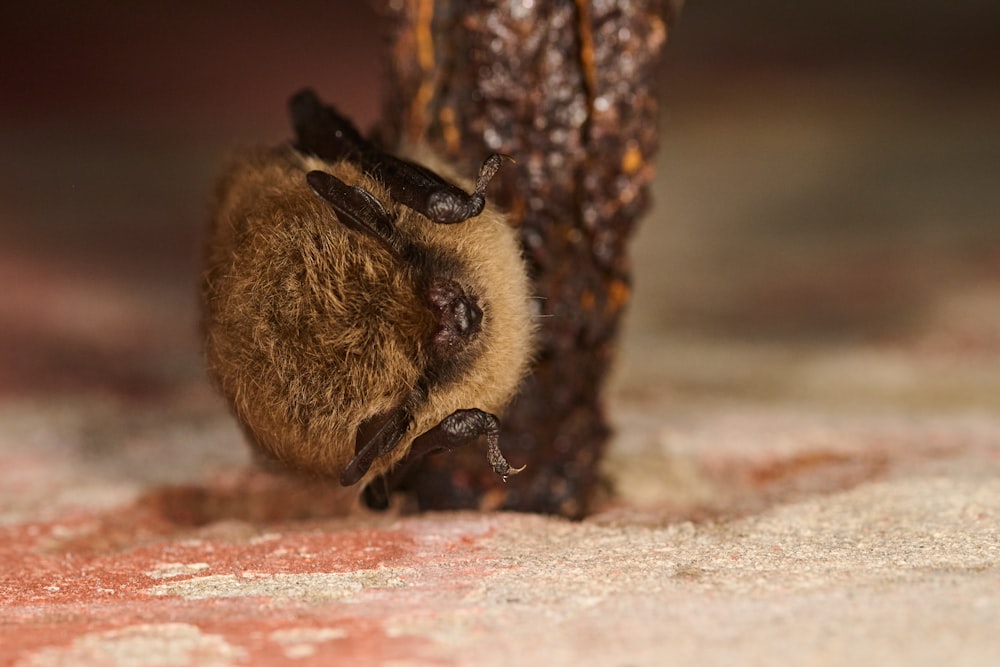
{"x": 376, "y": 437}
{"x": 320, "y": 130}
{"x": 358, "y": 209}
{"x": 463, "y": 427}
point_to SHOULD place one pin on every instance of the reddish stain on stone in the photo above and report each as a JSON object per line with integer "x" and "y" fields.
{"x": 92, "y": 572}
{"x": 40, "y": 572}
{"x": 249, "y": 624}
{"x": 364, "y": 641}
{"x": 57, "y": 585}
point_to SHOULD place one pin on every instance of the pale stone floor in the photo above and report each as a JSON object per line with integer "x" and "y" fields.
{"x": 806, "y": 468}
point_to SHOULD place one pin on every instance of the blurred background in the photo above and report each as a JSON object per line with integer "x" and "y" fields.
{"x": 827, "y": 200}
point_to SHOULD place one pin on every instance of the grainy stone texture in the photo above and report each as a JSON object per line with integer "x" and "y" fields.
{"x": 806, "y": 467}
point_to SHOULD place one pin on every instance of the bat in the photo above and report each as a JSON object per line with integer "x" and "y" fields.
{"x": 360, "y": 309}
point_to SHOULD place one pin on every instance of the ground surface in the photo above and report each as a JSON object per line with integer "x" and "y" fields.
{"x": 807, "y": 461}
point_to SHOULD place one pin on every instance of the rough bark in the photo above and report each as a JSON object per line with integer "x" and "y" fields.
{"x": 566, "y": 88}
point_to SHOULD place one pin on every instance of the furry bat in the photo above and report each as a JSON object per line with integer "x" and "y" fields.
{"x": 360, "y": 309}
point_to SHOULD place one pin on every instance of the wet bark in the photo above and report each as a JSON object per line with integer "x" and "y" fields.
{"x": 567, "y": 88}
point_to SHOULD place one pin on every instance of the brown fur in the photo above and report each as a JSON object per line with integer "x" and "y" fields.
{"x": 312, "y": 328}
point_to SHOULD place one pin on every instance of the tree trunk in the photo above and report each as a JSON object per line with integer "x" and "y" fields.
{"x": 567, "y": 89}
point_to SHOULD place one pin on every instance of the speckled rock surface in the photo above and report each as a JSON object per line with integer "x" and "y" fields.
{"x": 807, "y": 461}
{"x": 902, "y": 570}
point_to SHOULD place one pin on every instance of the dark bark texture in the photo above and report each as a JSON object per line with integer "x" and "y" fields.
{"x": 567, "y": 89}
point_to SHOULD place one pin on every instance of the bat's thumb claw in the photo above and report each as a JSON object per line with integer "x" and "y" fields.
{"x": 512, "y": 472}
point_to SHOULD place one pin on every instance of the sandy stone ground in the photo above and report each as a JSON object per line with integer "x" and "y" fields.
{"x": 806, "y": 466}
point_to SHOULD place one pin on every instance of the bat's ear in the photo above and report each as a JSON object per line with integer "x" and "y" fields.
{"x": 359, "y": 210}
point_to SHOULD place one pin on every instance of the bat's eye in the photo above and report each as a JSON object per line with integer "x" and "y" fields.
{"x": 459, "y": 315}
